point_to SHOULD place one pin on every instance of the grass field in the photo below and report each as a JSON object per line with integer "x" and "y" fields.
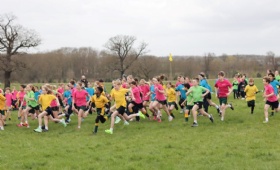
{"x": 242, "y": 141}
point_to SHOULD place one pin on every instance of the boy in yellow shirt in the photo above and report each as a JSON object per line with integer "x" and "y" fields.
{"x": 251, "y": 90}
{"x": 2, "y": 110}
{"x": 99, "y": 102}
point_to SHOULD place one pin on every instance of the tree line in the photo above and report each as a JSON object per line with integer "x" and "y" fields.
{"x": 70, "y": 63}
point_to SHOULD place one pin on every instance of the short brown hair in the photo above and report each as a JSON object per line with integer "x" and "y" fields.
{"x": 221, "y": 73}
{"x": 267, "y": 79}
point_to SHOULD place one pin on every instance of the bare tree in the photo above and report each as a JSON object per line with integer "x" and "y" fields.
{"x": 122, "y": 47}
{"x": 207, "y": 62}
{"x": 13, "y": 39}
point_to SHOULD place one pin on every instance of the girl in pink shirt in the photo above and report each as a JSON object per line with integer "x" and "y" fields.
{"x": 9, "y": 97}
{"x": 160, "y": 100}
{"x": 21, "y": 103}
{"x": 14, "y": 98}
{"x": 270, "y": 97}
{"x": 80, "y": 99}
{"x": 145, "y": 88}
{"x": 136, "y": 100}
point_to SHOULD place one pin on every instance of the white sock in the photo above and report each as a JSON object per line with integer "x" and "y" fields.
{"x": 111, "y": 129}
{"x": 40, "y": 127}
{"x": 46, "y": 127}
{"x": 266, "y": 119}
{"x": 217, "y": 107}
{"x": 195, "y": 121}
{"x": 222, "y": 118}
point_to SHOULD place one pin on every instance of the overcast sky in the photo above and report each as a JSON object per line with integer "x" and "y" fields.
{"x": 180, "y": 27}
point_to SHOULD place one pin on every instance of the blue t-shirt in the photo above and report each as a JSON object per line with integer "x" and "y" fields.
{"x": 274, "y": 84}
{"x": 182, "y": 90}
{"x": 68, "y": 96}
{"x": 37, "y": 94}
{"x": 204, "y": 83}
{"x": 90, "y": 92}
{"x": 153, "y": 92}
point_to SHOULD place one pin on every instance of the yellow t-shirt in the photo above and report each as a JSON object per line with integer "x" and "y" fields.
{"x": 171, "y": 95}
{"x": 45, "y": 100}
{"x": 119, "y": 96}
{"x": 99, "y": 101}
{"x": 2, "y": 101}
{"x": 250, "y": 92}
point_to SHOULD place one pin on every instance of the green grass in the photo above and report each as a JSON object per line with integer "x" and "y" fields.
{"x": 242, "y": 141}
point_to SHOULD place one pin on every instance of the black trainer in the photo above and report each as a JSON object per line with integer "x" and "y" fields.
{"x": 211, "y": 118}
{"x": 194, "y": 124}
{"x": 231, "y": 106}
{"x": 45, "y": 130}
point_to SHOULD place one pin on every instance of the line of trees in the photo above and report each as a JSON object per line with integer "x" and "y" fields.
{"x": 67, "y": 63}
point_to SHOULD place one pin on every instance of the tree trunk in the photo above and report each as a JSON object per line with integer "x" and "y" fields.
{"x": 7, "y": 78}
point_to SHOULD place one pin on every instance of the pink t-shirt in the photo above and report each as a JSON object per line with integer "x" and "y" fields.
{"x": 136, "y": 94}
{"x": 53, "y": 103}
{"x": 223, "y": 87}
{"x": 159, "y": 96}
{"x": 60, "y": 90}
{"x": 21, "y": 95}
{"x": 178, "y": 83}
{"x": 145, "y": 89}
{"x": 124, "y": 85}
{"x": 9, "y": 97}
{"x": 14, "y": 93}
{"x": 80, "y": 97}
{"x": 268, "y": 89}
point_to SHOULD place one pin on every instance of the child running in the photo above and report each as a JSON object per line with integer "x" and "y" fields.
{"x": 198, "y": 93}
{"x": 251, "y": 90}
{"x": 223, "y": 90}
{"x": 45, "y": 100}
{"x": 79, "y": 98}
{"x": 270, "y": 97}
{"x": 119, "y": 96}
{"x": 171, "y": 98}
{"x": 2, "y": 112}
{"x": 9, "y": 98}
{"x": 99, "y": 101}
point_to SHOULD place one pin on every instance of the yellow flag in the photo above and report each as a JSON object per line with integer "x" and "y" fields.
{"x": 170, "y": 57}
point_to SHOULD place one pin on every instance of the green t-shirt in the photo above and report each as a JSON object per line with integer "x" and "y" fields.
{"x": 190, "y": 99}
{"x": 32, "y": 103}
{"x": 197, "y": 93}
{"x": 277, "y": 77}
{"x": 235, "y": 85}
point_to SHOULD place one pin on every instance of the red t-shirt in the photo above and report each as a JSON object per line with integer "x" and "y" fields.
{"x": 223, "y": 87}
{"x": 80, "y": 97}
{"x": 268, "y": 89}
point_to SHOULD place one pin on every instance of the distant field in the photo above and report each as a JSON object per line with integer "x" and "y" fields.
{"x": 242, "y": 141}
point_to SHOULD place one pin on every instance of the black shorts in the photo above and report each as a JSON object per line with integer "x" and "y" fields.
{"x": 251, "y": 103}
{"x": 180, "y": 103}
{"x": 273, "y": 104}
{"x": 34, "y": 108}
{"x": 2, "y": 112}
{"x": 100, "y": 111}
{"x": 163, "y": 102}
{"x": 208, "y": 96}
{"x": 121, "y": 110}
{"x": 84, "y": 108}
{"x": 199, "y": 104}
{"x": 56, "y": 108}
{"x": 49, "y": 111}
{"x": 138, "y": 105}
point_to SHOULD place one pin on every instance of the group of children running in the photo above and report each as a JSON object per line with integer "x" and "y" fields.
{"x": 130, "y": 99}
